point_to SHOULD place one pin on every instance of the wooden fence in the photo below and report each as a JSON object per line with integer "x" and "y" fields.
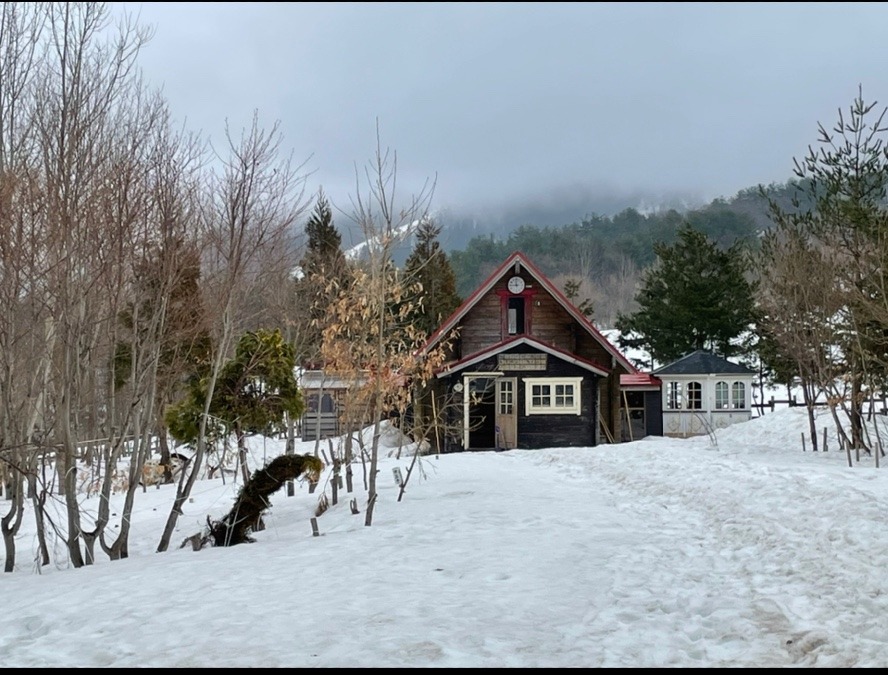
{"x": 881, "y": 404}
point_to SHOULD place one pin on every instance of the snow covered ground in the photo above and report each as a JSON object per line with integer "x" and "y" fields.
{"x": 742, "y": 552}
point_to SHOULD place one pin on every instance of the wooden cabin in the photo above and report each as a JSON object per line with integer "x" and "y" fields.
{"x": 526, "y": 369}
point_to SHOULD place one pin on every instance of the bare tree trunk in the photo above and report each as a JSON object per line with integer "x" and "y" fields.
{"x": 11, "y": 522}
{"x": 248, "y": 215}
{"x": 809, "y": 407}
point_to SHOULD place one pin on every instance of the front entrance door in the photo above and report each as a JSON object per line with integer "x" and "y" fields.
{"x": 481, "y": 412}
{"x": 506, "y": 417}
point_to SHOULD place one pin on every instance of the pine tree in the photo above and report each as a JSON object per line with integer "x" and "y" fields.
{"x": 324, "y": 241}
{"x": 429, "y": 265}
{"x": 838, "y": 215}
{"x": 695, "y": 297}
{"x": 324, "y": 266}
{"x": 572, "y": 293}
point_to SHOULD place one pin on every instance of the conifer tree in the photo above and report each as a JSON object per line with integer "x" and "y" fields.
{"x": 838, "y": 216}
{"x": 324, "y": 266}
{"x": 255, "y": 393}
{"x": 429, "y": 265}
{"x": 696, "y": 296}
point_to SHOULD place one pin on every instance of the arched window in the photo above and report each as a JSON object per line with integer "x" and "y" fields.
{"x": 721, "y": 396}
{"x": 695, "y": 396}
{"x": 738, "y": 396}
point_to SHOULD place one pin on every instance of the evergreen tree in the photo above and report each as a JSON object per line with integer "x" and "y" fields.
{"x": 324, "y": 248}
{"x": 185, "y": 343}
{"x": 839, "y": 215}
{"x": 572, "y": 293}
{"x": 696, "y": 296}
{"x": 429, "y": 265}
{"x": 324, "y": 266}
{"x": 255, "y": 392}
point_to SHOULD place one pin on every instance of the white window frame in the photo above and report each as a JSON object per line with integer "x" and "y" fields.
{"x": 506, "y": 402}
{"x": 674, "y": 395}
{"x": 694, "y": 395}
{"x": 735, "y": 386}
{"x": 722, "y": 395}
{"x": 553, "y": 383}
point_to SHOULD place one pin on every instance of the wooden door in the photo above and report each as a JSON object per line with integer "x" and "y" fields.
{"x": 506, "y": 413}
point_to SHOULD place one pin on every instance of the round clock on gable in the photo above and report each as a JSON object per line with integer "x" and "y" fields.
{"x": 516, "y": 284}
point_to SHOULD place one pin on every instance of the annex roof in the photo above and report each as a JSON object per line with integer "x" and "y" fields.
{"x": 702, "y": 362}
{"x": 639, "y": 381}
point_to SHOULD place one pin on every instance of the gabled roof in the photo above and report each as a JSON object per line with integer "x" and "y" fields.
{"x": 541, "y": 279}
{"x": 702, "y": 362}
{"x": 522, "y": 340}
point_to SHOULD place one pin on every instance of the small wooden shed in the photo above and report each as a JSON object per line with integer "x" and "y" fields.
{"x": 703, "y": 392}
{"x": 325, "y": 396}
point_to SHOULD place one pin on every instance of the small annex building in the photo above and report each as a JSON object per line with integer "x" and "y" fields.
{"x": 703, "y": 392}
{"x": 525, "y": 368}
{"x": 325, "y": 400}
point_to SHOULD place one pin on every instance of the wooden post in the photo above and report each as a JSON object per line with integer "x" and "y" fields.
{"x": 824, "y": 439}
{"x": 353, "y": 504}
{"x": 435, "y": 422}
{"x": 803, "y": 441}
{"x": 848, "y": 450}
{"x": 314, "y": 528}
{"x": 628, "y": 420}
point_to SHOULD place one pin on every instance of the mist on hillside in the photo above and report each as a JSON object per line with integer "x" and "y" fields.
{"x": 560, "y": 207}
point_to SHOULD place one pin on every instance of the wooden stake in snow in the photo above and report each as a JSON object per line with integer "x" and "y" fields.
{"x": 314, "y": 528}
{"x": 803, "y": 442}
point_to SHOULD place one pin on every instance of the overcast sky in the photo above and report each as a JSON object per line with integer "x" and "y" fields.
{"x": 503, "y": 102}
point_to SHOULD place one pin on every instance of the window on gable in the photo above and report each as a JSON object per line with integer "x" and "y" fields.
{"x": 516, "y": 316}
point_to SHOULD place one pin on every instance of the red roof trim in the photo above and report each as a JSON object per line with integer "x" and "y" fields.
{"x": 455, "y": 366}
{"x": 541, "y": 278}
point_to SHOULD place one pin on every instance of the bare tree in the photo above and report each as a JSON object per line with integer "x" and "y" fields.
{"x": 839, "y": 210}
{"x": 246, "y": 219}
{"x": 800, "y": 303}
{"x": 369, "y": 334}
{"x": 23, "y": 361}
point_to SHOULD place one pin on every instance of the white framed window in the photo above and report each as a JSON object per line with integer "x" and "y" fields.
{"x": 673, "y": 396}
{"x": 721, "y": 396}
{"x": 738, "y": 396}
{"x": 695, "y": 396}
{"x": 513, "y": 321}
{"x": 506, "y": 397}
{"x": 552, "y": 396}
